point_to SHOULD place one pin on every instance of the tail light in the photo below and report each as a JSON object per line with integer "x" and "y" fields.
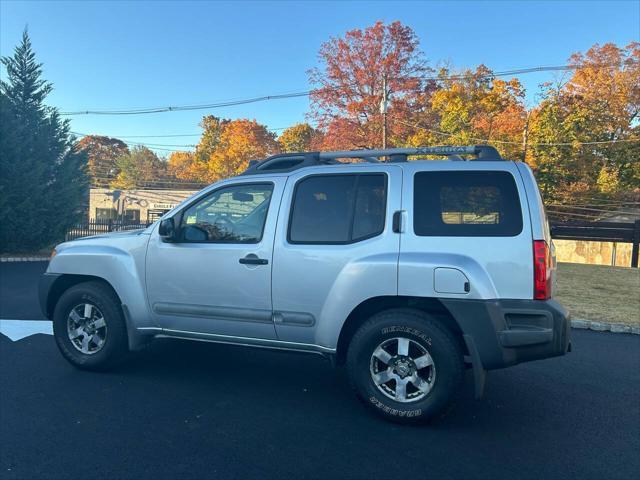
{"x": 541, "y": 270}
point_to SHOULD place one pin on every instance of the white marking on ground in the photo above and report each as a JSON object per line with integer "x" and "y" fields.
{"x": 19, "y": 329}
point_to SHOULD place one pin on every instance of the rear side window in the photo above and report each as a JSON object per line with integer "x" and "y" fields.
{"x": 466, "y": 204}
{"x": 338, "y": 209}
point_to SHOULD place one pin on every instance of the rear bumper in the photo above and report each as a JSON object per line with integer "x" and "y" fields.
{"x": 501, "y": 333}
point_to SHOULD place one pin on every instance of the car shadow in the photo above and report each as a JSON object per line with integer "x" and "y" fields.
{"x": 241, "y": 372}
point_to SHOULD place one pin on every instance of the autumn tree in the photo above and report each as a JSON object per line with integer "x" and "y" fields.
{"x": 180, "y": 165}
{"x": 584, "y": 134}
{"x": 102, "y": 153}
{"x": 212, "y": 128}
{"x": 224, "y": 150}
{"x": 475, "y": 107}
{"x": 300, "y": 138}
{"x": 138, "y": 168}
{"x": 43, "y": 183}
{"x": 345, "y": 103}
{"x": 240, "y": 141}
{"x": 194, "y": 165}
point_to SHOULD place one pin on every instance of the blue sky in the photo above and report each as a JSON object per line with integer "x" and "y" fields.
{"x": 109, "y": 55}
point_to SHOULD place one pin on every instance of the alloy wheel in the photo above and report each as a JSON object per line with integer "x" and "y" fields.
{"x": 86, "y": 328}
{"x": 402, "y": 369}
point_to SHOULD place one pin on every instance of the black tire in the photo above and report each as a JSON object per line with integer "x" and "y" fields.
{"x": 115, "y": 347}
{"x": 425, "y": 331}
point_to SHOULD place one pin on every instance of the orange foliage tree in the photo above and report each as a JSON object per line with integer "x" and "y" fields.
{"x": 181, "y": 165}
{"x": 474, "y": 107}
{"x": 600, "y": 102}
{"x": 345, "y": 104}
{"x": 300, "y": 138}
{"x": 224, "y": 150}
{"x": 240, "y": 141}
{"x": 102, "y": 153}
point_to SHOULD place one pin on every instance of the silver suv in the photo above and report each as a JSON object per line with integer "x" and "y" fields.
{"x": 408, "y": 272}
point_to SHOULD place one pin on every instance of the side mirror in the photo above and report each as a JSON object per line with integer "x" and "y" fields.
{"x": 167, "y": 230}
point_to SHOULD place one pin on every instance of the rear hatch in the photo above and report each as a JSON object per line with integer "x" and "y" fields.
{"x": 467, "y": 227}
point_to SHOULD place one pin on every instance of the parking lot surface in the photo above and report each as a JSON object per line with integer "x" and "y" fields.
{"x": 184, "y": 409}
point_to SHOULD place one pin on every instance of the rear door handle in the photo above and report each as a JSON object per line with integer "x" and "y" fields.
{"x": 396, "y": 223}
{"x": 253, "y": 259}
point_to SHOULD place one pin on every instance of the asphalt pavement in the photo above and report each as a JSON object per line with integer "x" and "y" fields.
{"x": 184, "y": 409}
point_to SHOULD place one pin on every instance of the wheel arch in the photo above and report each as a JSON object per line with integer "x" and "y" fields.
{"x": 64, "y": 282}
{"x": 68, "y": 280}
{"x": 371, "y": 306}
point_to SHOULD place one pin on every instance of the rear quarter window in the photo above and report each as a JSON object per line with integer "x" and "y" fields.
{"x": 466, "y": 204}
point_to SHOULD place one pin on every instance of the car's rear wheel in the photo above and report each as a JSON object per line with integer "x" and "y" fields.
{"x": 405, "y": 365}
{"x": 89, "y": 326}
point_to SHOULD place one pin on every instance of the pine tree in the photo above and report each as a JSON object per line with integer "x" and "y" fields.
{"x": 43, "y": 183}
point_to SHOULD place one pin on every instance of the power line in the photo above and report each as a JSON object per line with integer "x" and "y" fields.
{"x": 143, "y": 136}
{"x": 228, "y": 103}
{"x": 155, "y": 146}
{"x": 158, "y": 144}
{"x": 158, "y": 148}
{"x": 172, "y": 135}
{"x": 566, "y": 144}
{"x": 162, "y": 144}
{"x": 484, "y": 140}
{"x": 188, "y": 107}
{"x": 518, "y": 71}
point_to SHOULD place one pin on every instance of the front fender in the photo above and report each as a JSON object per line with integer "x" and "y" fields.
{"x": 121, "y": 265}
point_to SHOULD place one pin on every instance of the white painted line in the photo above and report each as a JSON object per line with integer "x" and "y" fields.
{"x": 19, "y": 329}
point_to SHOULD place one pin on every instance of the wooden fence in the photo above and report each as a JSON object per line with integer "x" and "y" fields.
{"x": 600, "y": 232}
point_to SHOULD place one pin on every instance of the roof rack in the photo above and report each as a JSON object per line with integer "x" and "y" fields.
{"x": 288, "y": 162}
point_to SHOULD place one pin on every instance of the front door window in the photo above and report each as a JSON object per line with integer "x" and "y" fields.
{"x": 234, "y": 214}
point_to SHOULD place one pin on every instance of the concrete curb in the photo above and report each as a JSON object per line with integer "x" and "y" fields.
{"x": 605, "y": 327}
{"x": 24, "y": 259}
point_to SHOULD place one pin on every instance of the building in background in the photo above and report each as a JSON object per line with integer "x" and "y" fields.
{"x": 133, "y": 206}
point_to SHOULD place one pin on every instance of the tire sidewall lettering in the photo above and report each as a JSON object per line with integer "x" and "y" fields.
{"x": 408, "y": 330}
{"x": 394, "y": 411}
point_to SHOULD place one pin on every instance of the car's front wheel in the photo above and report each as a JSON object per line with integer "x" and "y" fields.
{"x": 89, "y": 326}
{"x": 404, "y": 365}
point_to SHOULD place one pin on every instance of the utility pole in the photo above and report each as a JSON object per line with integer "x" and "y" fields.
{"x": 525, "y": 138}
{"x": 383, "y": 110}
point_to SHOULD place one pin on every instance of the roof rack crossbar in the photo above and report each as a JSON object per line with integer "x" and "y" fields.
{"x": 288, "y": 162}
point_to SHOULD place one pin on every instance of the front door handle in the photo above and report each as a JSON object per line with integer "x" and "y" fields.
{"x": 252, "y": 259}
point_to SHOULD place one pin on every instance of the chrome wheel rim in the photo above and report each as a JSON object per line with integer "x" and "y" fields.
{"x": 86, "y": 328}
{"x": 402, "y": 369}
